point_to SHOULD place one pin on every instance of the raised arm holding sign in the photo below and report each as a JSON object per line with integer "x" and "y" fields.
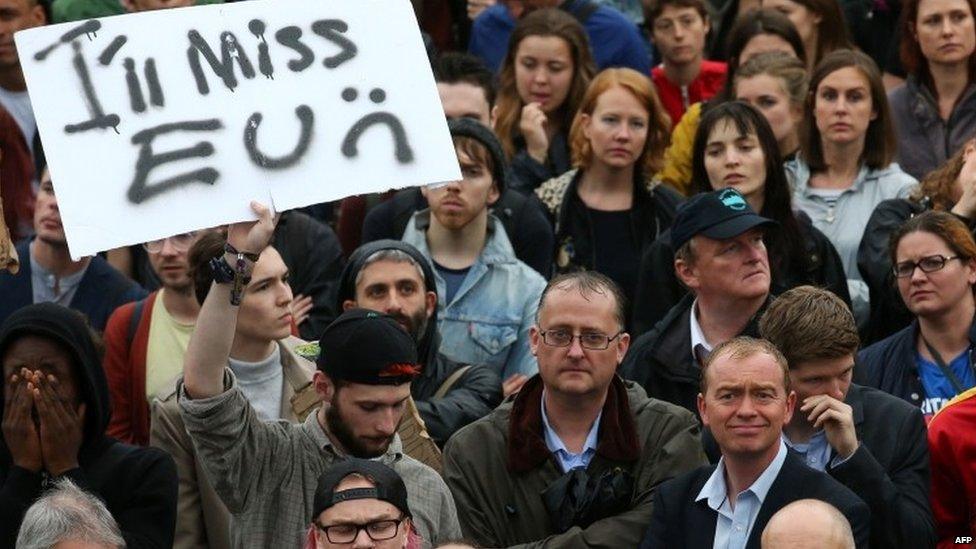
{"x": 200, "y": 110}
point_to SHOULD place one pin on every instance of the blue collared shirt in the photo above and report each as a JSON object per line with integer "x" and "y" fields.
{"x": 816, "y": 451}
{"x": 734, "y": 525}
{"x": 568, "y": 460}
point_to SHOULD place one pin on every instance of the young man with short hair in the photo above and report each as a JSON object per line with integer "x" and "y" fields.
{"x": 267, "y": 472}
{"x": 467, "y": 90}
{"x": 145, "y": 340}
{"x": 745, "y": 401}
{"x": 487, "y": 298}
{"x": 540, "y": 468}
{"x": 722, "y": 261}
{"x": 872, "y": 442}
{"x": 678, "y": 29}
{"x": 273, "y": 377}
{"x": 49, "y": 274}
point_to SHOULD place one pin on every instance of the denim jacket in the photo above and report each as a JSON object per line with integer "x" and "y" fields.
{"x": 489, "y": 318}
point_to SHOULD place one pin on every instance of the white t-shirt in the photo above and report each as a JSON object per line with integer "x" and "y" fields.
{"x": 19, "y": 106}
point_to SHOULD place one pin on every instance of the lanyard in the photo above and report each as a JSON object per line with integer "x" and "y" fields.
{"x": 946, "y": 370}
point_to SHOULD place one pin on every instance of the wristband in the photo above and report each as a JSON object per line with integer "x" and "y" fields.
{"x": 223, "y": 273}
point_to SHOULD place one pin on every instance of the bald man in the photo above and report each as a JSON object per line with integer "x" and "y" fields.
{"x": 808, "y": 524}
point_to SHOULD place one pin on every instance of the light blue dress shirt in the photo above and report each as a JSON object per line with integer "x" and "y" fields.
{"x": 733, "y": 526}
{"x": 816, "y": 451}
{"x": 568, "y": 460}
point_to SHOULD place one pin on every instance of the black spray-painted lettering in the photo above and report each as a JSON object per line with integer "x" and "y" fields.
{"x": 98, "y": 117}
{"x": 152, "y": 81}
{"x": 88, "y": 28}
{"x": 257, "y": 28}
{"x": 350, "y": 144}
{"x": 307, "y": 119}
{"x": 290, "y": 37}
{"x": 106, "y": 57}
{"x": 224, "y": 68}
{"x": 140, "y": 190}
{"x": 332, "y": 30}
{"x": 136, "y": 100}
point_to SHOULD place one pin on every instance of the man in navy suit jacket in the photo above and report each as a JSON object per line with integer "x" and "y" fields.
{"x": 872, "y": 442}
{"x": 745, "y": 400}
{"x": 47, "y": 272}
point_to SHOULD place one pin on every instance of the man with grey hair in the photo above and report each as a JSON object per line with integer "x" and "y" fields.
{"x": 67, "y": 516}
{"x": 808, "y": 524}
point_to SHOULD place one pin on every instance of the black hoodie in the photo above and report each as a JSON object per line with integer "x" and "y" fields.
{"x": 471, "y": 397}
{"x": 138, "y": 485}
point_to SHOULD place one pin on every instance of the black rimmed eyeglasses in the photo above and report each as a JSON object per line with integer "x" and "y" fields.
{"x": 593, "y": 341}
{"x": 928, "y": 264}
{"x": 378, "y": 530}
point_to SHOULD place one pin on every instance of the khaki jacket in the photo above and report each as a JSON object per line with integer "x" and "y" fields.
{"x": 202, "y": 519}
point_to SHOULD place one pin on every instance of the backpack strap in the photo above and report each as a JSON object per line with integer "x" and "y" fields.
{"x": 134, "y": 322}
{"x": 451, "y": 381}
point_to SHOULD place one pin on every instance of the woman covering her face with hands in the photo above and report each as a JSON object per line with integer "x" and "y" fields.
{"x": 607, "y": 210}
{"x": 845, "y": 166}
{"x": 541, "y": 84}
{"x": 735, "y": 147}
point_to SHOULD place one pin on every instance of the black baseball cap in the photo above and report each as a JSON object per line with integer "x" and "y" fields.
{"x": 718, "y": 214}
{"x": 388, "y": 486}
{"x": 368, "y": 347}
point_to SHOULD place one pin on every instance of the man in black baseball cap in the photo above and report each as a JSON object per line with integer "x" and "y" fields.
{"x": 362, "y": 503}
{"x": 720, "y": 257}
{"x": 267, "y": 472}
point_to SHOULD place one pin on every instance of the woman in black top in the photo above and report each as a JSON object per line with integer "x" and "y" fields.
{"x": 735, "y": 147}
{"x": 607, "y": 209}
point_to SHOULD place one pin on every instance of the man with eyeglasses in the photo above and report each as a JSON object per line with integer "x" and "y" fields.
{"x": 361, "y": 503}
{"x": 145, "y": 340}
{"x": 573, "y": 458}
{"x": 48, "y": 274}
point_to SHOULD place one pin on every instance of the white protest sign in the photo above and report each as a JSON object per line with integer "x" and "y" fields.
{"x": 164, "y": 122}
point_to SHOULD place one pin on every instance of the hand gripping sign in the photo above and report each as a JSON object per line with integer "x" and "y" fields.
{"x": 164, "y": 122}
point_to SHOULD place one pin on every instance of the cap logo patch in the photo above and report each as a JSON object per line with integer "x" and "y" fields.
{"x": 733, "y": 200}
{"x": 400, "y": 369}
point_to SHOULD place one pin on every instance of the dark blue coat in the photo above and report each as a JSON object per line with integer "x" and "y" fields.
{"x": 680, "y": 521}
{"x": 102, "y": 289}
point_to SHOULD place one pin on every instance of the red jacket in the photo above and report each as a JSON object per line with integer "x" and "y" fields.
{"x": 125, "y": 368}
{"x": 952, "y": 454}
{"x": 709, "y": 81}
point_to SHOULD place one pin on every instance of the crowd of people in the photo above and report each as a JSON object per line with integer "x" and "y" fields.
{"x": 708, "y": 279}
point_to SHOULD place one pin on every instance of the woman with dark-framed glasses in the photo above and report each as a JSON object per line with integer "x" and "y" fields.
{"x": 931, "y": 361}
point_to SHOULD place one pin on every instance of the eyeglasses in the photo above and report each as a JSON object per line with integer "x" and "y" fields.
{"x": 928, "y": 264}
{"x": 378, "y": 530}
{"x": 590, "y": 340}
{"x": 180, "y": 243}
